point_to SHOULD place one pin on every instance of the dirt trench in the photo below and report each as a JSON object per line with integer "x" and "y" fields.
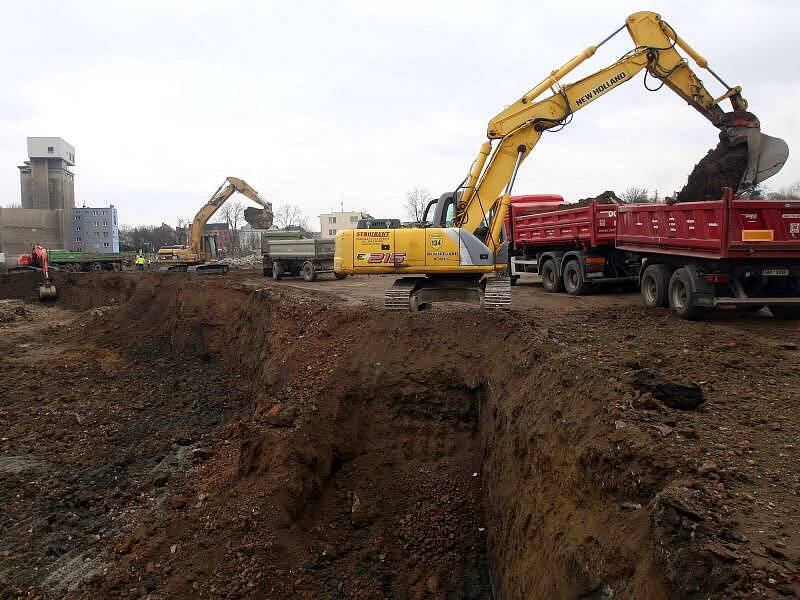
{"x": 270, "y": 444}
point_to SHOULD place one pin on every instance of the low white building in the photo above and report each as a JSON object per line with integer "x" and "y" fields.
{"x": 334, "y": 222}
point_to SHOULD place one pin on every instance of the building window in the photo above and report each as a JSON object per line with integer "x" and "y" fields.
{"x": 105, "y": 223}
{"x": 50, "y": 150}
{"x": 96, "y": 234}
{"x": 77, "y": 229}
{"x": 331, "y": 232}
{"x": 97, "y": 223}
{"x": 331, "y": 220}
{"x": 105, "y": 234}
{"x": 77, "y": 239}
{"x": 354, "y": 219}
{"x": 105, "y": 244}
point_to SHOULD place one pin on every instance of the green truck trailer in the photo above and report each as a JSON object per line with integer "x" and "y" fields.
{"x": 66, "y": 260}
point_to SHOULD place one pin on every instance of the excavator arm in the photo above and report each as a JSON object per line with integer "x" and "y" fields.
{"x": 518, "y": 127}
{"x": 224, "y": 191}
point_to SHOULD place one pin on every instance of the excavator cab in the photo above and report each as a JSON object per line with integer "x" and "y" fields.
{"x": 444, "y": 210}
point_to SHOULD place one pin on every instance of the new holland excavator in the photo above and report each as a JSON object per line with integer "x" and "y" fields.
{"x": 461, "y": 254}
{"x": 201, "y": 254}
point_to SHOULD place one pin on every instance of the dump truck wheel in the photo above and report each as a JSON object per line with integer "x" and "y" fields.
{"x": 551, "y": 282}
{"x": 308, "y": 272}
{"x": 682, "y": 297}
{"x": 96, "y": 266}
{"x": 574, "y": 281}
{"x": 655, "y": 286}
{"x": 783, "y": 311}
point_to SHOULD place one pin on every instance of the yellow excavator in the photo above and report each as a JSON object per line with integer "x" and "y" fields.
{"x": 460, "y": 252}
{"x": 201, "y": 254}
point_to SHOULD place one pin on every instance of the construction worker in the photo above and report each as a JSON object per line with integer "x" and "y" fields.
{"x": 140, "y": 262}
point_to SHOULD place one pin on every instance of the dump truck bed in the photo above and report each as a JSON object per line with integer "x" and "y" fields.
{"x": 730, "y": 228}
{"x": 300, "y": 249}
{"x": 593, "y": 225}
{"x": 64, "y": 256}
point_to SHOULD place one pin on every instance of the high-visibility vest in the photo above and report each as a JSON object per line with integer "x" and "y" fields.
{"x": 140, "y": 260}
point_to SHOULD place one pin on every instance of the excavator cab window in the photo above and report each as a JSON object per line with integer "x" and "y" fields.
{"x": 444, "y": 211}
{"x": 425, "y": 221}
{"x": 450, "y": 213}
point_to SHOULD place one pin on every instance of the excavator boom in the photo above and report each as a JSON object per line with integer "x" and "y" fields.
{"x": 520, "y": 126}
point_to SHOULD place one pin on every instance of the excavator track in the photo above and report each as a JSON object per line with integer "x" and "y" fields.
{"x": 497, "y": 295}
{"x": 398, "y": 297}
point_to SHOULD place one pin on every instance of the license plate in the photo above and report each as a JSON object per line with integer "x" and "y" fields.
{"x": 775, "y": 272}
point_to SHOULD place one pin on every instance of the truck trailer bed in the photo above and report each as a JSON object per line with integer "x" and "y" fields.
{"x": 730, "y": 228}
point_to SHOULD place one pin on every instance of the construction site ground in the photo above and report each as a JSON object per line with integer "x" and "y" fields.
{"x": 171, "y": 435}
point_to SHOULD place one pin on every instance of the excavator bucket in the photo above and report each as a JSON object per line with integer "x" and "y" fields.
{"x": 47, "y": 292}
{"x": 766, "y": 157}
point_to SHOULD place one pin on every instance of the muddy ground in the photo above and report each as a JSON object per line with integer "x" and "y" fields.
{"x": 174, "y": 435}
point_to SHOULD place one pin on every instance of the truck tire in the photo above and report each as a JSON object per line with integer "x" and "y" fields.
{"x": 276, "y": 271}
{"x": 308, "y": 272}
{"x": 574, "y": 281}
{"x": 682, "y": 297}
{"x": 784, "y": 311}
{"x": 340, "y": 275}
{"x": 551, "y": 282}
{"x": 655, "y": 286}
{"x": 96, "y": 266}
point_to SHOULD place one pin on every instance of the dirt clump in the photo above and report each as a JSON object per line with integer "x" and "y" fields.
{"x": 258, "y": 218}
{"x": 723, "y": 166}
{"x": 12, "y": 310}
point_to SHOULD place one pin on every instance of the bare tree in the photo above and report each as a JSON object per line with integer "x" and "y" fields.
{"x": 233, "y": 213}
{"x": 635, "y": 194}
{"x": 290, "y": 215}
{"x": 789, "y": 192}
{"x": 416, "y": 201}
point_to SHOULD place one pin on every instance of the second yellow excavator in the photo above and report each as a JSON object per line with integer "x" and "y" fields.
{"x": 461, "y": 253}
{"x": 201, "y": 254}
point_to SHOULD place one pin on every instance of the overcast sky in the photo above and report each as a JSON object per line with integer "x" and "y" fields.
{"x": 310, "y": 102}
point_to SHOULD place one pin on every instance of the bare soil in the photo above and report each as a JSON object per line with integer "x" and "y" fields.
{"x": 723, "y": 166}
{"x": 175, "y": 435}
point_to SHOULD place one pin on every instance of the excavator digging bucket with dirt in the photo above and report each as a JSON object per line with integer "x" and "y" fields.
{"x": 766, "y": 155}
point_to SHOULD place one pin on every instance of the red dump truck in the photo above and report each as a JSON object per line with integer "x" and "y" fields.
{"x": 691, "y": 256}
{"x": 571, "y": 247}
